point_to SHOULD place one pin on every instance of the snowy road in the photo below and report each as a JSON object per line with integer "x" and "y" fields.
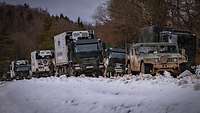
{"x": 99, "y": 95}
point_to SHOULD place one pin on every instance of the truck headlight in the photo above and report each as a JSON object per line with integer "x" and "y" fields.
{"x": 77, "y": 68}
{"x": 89, "y": 67}
{"x": 156, "y": 60}
{"x": 175, "y": 59}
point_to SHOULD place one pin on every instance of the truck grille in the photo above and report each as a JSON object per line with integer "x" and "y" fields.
{"x": 164, "y": 59}
{"x": 170, "y": 60}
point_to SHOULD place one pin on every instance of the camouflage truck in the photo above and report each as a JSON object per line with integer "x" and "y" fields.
{"x": 151, "y": 58}
{"x": 185, "y": 39}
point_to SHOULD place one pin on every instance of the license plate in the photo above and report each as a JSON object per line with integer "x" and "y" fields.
{"x": 89, "y": 67}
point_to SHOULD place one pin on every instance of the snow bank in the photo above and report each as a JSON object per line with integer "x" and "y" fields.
{"x": 129, "y": 94}
{"x": 198, "y": 70}
{"x": 1, "y": 83}
{"x": 185, "y": 74}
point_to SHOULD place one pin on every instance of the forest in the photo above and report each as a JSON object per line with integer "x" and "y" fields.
{"x": 120, "y": 20}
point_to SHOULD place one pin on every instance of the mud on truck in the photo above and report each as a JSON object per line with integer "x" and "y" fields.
{"x": 151, "y": 58}
{"x": 115, "y": 62}
{"x": 20, "y": 69}
{"x": 42, "y": 63}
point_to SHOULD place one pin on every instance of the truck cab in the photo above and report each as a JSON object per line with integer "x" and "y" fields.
{"x": 20, "y": 69}
{"x": 151, "y": 58}
{"x": 115, "y": 61}
{"x": 42, "y": 63}
{"x": 87, "y": 56}
{"x": 78, "y": 52}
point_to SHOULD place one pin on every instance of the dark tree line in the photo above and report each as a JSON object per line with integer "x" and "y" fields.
{"x": 119, "y": 20}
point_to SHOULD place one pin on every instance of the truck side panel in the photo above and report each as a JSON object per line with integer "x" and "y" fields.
{"x": 61, "y": 49}
{"x": 34, "y": 64}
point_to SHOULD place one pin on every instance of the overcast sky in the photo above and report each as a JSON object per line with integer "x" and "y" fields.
{"x": 71, "y": 8}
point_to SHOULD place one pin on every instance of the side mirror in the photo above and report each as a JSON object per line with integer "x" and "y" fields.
{"x": 183, "y": 52}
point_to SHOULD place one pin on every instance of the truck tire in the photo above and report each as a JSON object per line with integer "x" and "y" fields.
{"x": 98, "y": 73}
{"x": 129, "y": 71}
{"x": 186, "y": 66}
{"x": 135, "y": 72}
{"x": 71, "y": 72}
{"x": 145, "y": 68}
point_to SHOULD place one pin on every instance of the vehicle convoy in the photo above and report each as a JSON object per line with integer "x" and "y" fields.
{"x": 184, "y": 39}
{"x": 115, "y": 62}
{"x": 151, "y": 58}
{"x": 20, "y": 69}
{"x": 78, "y": 54}
{"x": 42, "y": 63}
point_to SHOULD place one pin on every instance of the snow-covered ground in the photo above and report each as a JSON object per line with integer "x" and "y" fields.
{"x": 101, "y": 95}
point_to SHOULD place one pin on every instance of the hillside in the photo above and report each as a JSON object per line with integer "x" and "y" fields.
{"x": 24, "y": 29}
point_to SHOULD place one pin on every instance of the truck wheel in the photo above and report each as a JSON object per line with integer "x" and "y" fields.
{"x": 145, "y": 68}
{"x": 129, "y": 69}
{"x": 71, "y": 72}
{"x": 135, "y": 72}
{"x": 98, "y": 73}
{"x": 142, "y": 68}
{"x": 186, "y": 66}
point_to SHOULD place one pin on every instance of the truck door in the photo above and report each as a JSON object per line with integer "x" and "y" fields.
{"x": 188, "y": 43}
{"x": 197, "y": 60}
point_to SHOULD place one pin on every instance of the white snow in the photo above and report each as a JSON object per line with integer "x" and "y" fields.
{"x": 185, "y": 74}
{"x": 197, "y": 70}
{"x": 130, "y": 94}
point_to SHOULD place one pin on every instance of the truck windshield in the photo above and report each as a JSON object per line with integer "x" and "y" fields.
{"x": 157, "y": 49}
{"x": 119, "y": 55}
{"x": 86, "y": 48}
{"x": 22, "y": 67}
{"x": 38, "y": 57}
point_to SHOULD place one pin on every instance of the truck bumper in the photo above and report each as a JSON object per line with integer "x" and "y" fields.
{"x": 171, "y": 67}
{"x": 88, "y": 69}
{"x": 22, "y": 75}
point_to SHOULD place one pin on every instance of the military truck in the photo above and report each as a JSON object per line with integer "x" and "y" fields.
{"x": 183, "y": 38}
{"x": 87, "y": 57}
{"x": 115, "y": 62}
{"x": 78, "y": 55}
{"x": 42, "y": 63}
{"x": 153, "y": 58}
{"x": 20, "y": 69}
